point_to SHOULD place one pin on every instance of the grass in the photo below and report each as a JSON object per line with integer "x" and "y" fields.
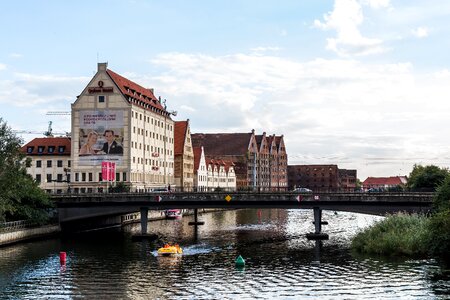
{"x": 396, "y": 235}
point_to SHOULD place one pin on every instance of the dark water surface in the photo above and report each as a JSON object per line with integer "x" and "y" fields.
{"x": 280, "y": 263}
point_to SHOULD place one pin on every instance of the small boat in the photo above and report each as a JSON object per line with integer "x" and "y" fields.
{"x": 173, "y": 213}
{"x": 170, "y": 250}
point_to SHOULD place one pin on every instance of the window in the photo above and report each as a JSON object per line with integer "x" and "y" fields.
{"x": 30, "y": 149}
{"x": 51, "y": 149}
{"x": 83, "y": 176}
{"x": 124, "y": 176}
{"x": 68, "y": 163}
{"x": 100, "y": 178}
{"x": 90, "y": 176}
{"x": 61, "y": 149}
{"x": 101, "y": 99}
{"x": 49, "y": 163}
{"x": 41, "y": 149}
{"x": 59, "y": 177}
{"x": 49, "y": 177}
{"x": 68, "y": 177}
{"x": 38, "y": 178}
{"x": 117, "y": 176}
{"x": 38, "y": 164}
{"x": 59, "y": 163}
{"x": 77, "y": 176}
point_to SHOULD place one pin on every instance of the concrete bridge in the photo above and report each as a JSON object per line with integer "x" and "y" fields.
{"x": 79, "y": 208}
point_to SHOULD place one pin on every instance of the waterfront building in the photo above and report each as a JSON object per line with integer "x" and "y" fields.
{"x": 184, "y": 156}
{"x": 384, "y": 183}
{"x": 50, "y": 162}
{"x": 200, "y": 170}
{"x": 347, "y": 180}
{"x": 249, "y": 154}
{"x": 117, "y": 121}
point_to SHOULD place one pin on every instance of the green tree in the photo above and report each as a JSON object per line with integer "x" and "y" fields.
{"x": 428, "y": 177}
{"x": 20, "y": 195}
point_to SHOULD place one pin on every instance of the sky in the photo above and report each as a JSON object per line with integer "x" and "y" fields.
{"x": 364, "y": 84}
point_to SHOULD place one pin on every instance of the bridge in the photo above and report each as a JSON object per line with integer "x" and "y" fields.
{"x": 78, "y": 207}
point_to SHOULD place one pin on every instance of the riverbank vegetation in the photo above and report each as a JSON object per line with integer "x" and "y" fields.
{"x": 20, "y": 195}
{"x": 413, "y": 235}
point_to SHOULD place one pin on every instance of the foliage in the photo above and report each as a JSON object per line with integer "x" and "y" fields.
{"x": 120, "y": 187}
{"x": 398, "y": 234}
{"x": 441, "y": 200}
{"x": 428, "y": 177}
{"x": 20, "y": 196}
{"x": 439, "y": 233}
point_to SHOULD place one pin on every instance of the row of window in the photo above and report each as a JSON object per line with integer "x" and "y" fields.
{"x": 50, "y": 149}
{"x": 151, "y": 120}
{"x": 152, "y": 135}
{"x": 157, "y": 150}
{"x": 59, "y": 178}
{"x": 83, "y": 177}
{"x": 59, "y": 163}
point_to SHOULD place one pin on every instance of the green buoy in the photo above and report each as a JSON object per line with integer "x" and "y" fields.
{"x": 240, "y": 262}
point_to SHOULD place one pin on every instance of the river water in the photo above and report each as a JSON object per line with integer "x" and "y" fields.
{"x": 280, "y": 262}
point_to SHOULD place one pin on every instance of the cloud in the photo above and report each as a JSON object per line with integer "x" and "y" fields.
{"x": 2, "y": 67}
{"x": 377, "y": 4}
{"x": 420, "y": 32}
{"x": 15, "y": 55}
{"x": 345, "y": 19}
{"x": 367, "y": 111}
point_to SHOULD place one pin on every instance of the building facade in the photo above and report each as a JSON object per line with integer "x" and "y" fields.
{"x": 200, "y": 170}
{"x": 117, "y": 121}
{"x": 321, "y": 178}
{"x": 184, "y": 156}
{"x": 254, "y": 162}
{"x": 384, "y": 183}
{"x": 50, "y": 163}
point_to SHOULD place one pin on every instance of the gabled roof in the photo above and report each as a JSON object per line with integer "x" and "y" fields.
{"x": 222, "y": 143}
{"x": 197, "y": 157}
{"x": 393, "y": 180}
{"x": 180, "y": 136}
{"x": 143, "y": 97}
{"x": 45, "y": 143}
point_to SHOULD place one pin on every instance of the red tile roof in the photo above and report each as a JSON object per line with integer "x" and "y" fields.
{"x": 222, "y": 143}
{"x": 389, "y": 181}
{"x": 197, "y": 156}
{"x": 144, "y": 97}
{"x": 45, "y": 143}
{"x": 180, "y": 136}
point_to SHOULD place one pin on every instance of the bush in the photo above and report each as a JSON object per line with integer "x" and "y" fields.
{"x": 396, "y": 235}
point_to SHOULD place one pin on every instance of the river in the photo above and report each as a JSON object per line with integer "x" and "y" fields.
{"x": 280, "y": 262}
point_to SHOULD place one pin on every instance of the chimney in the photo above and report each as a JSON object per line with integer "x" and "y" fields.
{"x": 102, "y": 66}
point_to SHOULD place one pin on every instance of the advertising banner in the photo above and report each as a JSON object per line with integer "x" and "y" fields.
{"x": 101, "y": 137}
{"x": 108, "y": 171}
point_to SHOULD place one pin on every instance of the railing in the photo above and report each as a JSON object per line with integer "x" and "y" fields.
{"x": 15, "y": 225}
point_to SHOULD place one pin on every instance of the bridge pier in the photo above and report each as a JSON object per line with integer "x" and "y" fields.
{"x": 144, "y": 227}
{"x": 317, "y": 235}
{"x": 196, "y": 221}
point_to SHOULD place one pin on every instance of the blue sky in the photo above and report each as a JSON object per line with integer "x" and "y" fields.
{"x": 359, "y": 83}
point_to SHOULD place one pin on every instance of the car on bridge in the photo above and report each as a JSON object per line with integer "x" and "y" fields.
{"x": 302, "y": 190}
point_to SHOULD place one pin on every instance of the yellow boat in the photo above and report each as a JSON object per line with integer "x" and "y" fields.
{"x": 169, "y": 250}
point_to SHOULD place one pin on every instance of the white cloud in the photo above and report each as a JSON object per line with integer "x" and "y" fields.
{"x": 15, "y": 55}
{"x": 368, "y": 111}
{"x": 345, "y": 19}
{"x": 420, "y": 32}
{"x": 376, "y": 4}
{"x": 2, "y": 67}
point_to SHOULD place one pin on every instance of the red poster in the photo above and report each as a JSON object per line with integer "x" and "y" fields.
{"x": 108, "y": 171}
{"x": 105, "y": 171}
{"x": 112, "y": 171}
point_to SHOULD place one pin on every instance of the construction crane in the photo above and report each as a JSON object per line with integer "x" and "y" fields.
{"x": 58, "y": 113}
{"x": 48, "y": 133}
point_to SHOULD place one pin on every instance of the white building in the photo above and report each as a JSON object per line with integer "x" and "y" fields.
{"x": 200, "y": 170}
{"x": 50, "y": 163}
{"x": 116, "y": 120}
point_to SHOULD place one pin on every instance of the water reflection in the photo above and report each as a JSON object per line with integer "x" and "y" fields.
{"x": 280, "y": 262}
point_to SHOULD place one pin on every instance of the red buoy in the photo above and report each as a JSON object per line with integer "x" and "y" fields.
{"x": 62, "y": 258}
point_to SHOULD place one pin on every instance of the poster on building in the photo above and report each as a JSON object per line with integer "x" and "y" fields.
{"x": 108, "y": 171}
{"x": 101, "y": 137}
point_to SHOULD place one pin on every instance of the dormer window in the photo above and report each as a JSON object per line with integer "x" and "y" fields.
{"x": 30, "y": 149}
{"x": 61, "y": 149}
{"x": 41, "y": 149}
{"x": 51, "y": 149}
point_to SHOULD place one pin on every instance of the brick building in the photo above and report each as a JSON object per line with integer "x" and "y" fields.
{"x": 184, "y": 156}
{"x": 259, "y": 162}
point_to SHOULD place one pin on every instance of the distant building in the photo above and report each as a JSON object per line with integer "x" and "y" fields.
{"x": 347, "y": 180}
{"x": 259, "y": 163}
{"x": 221, "y": 175}
{"x": 50, "y": 162}
{"x": 184, "y": 156}
{"x": 321, "y": 178}
{"x": 384, "y": 183}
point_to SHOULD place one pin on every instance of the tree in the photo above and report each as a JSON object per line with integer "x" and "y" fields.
{"x": 428, "y": 177}
{"x": 20, "y": 195}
